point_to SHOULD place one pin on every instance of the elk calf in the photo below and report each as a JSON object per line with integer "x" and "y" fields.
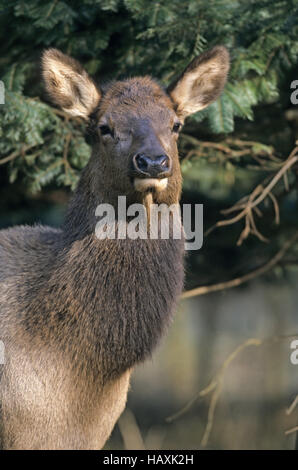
{"x": 78, "y": 313}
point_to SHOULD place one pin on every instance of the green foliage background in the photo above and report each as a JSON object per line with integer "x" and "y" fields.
{"x": 241, "y": 141}
{"x": 39, "y": 146}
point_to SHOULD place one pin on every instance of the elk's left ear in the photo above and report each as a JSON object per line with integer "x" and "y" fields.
{"x": 68, "y": 84}
{"x": 201, "y": 83}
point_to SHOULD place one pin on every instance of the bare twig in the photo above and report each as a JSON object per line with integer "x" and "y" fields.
{"x": 130, "y": 431}
{"x": 292, "y": 406}
{"x": 290, "y": 431}
{"x": 216, "y": 384}
{"x": 289, "y": 411}
{"x": 246, "y": 277}
{"x": 231, "y": 148}
{"x": 286, "y": 181}
{"x": 276, "y": 207}
{"x": 16, "y": 154}
{"x": 247, "y": 204}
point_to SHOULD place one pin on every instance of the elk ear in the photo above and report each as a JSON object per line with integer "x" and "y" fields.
{"x": 68, "y": 84}
{"x": 201, "y": 83}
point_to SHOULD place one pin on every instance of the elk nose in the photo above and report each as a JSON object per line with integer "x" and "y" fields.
{"x": 152, "y": 166}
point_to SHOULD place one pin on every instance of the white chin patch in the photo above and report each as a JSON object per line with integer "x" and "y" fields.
{"x": 143, "y": 184}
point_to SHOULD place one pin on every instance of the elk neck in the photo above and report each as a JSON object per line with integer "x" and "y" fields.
{"x": 107, "y": 302}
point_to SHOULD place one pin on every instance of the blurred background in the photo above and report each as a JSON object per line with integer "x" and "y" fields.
{"x": 222, "y": 378}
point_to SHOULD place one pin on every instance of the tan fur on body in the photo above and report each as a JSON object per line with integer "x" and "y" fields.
{"x": 78, "y": 313}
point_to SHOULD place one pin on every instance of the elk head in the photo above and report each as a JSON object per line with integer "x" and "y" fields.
{"x": 136, "y": 121}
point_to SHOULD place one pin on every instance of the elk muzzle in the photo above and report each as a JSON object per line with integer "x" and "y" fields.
{"x": 151, "y": 171}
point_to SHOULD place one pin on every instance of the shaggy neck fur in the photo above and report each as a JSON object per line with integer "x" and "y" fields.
{"x": 106, "y": 303}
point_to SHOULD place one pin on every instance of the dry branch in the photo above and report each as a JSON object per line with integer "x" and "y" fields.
{"x": 292, "y": 406}
{"x": 216, "y": 384}
{"x": 16, "y": 154}
{"x": 246, "y": 277}
{"x": 290, "y": 431}
{"x": 246, "y": 205}
{"x": 230, "y": 148}
{"x": 130, "y": 431}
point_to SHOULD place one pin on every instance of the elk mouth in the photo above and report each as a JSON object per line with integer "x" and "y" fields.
{"x": 150, "y": 172}
{"x": 145, "y": 184}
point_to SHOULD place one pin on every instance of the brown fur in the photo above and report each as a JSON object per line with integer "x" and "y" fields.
{"x": 78, "y": 313}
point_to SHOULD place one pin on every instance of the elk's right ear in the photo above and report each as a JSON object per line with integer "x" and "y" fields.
{"x": 201, "y": 83}
{"x": 68, "y": 84}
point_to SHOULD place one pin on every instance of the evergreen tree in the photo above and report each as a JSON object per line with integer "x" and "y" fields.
{"x": 242, "y": 138}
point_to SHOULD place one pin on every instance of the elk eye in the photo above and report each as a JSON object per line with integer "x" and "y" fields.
{"x": 176, "y": 127}
{"x": 105, "y": 130}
